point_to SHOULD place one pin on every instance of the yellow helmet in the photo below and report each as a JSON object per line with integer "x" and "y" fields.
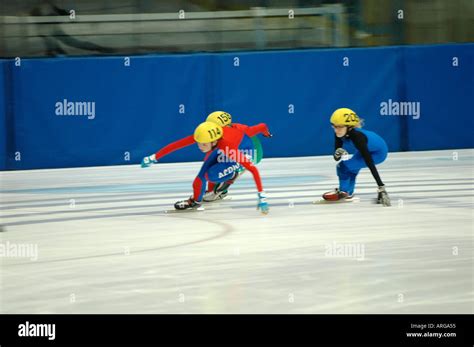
{"x": 219, "y": 117}
{"x": 208, "y": 132}
{"x": 345, "y": 116}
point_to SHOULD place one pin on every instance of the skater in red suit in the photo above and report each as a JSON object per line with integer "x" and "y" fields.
{"x": 219, "y": 191}
{"x": 225, "y": 150}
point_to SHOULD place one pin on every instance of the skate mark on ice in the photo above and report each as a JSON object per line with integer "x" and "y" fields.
{"x": 226, "y": 229}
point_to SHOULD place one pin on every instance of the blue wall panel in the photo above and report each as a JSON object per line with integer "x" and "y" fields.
{"x": 137, "y": 107}
{"x": 445, "y": 93}
{"x": 3, "y": 109}
{"x": 315, "y": 83}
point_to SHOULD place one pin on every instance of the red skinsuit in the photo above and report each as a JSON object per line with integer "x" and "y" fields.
{"x": 229, "y": 143}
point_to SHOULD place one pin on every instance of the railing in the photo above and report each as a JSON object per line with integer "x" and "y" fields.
{"x": 257, "y": 28}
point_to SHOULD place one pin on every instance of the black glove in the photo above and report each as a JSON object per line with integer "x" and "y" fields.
{"x": 339, "y": 153}
{"x": 382, "y": 197}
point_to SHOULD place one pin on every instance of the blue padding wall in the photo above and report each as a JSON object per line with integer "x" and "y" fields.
{"x": 445, "y": 93}
{"x": 3, "y": 109}
{"x": 161, "y": 98}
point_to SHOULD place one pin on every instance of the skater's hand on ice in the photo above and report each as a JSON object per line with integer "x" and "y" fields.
{"x": 268, "y": 134}
{"x": 339, "y": 153}
{"x": 262, "y": 203}
{"x": 382, "y": 197}
{"x": 148, "y": 161}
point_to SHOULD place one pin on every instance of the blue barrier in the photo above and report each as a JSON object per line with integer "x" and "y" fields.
{"x": 92, "y": 111}
{"x": 444, "y": 92}
{"x": 3, "y": 125}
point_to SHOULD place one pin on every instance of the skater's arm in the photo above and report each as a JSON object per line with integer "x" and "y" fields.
{"x": 261, "y": 128}
{"x": 337, "y": 142}
{"x": 256, "y": 175}
{"x": 251, "y": 131}
{"x": 360, "y": 142}
{"x": 187, "y": 141}
{"x": 239, "y": 157}
{"x": 338, "y": 150}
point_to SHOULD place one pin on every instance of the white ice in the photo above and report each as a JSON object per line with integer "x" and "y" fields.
{"x": 104, "y": 244}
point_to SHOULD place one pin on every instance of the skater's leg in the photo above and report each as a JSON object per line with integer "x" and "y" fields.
{"x": 226, "y": 171}
{"x": 352, "y": 186}
{"x": 199, "y": 185}
{"x": 247, "y": 150}
{"x": 220, "y": 177}
{"x": 348, "y": 170}
{"x": 222, "y": 172}
{"x": 210, "y": 186}
{"x": 347, "y": 178}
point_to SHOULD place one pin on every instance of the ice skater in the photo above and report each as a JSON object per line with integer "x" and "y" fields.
{"x": 368, "y": 149}
{"x": 227, "y": 148}
{"x": 219, "y": 191}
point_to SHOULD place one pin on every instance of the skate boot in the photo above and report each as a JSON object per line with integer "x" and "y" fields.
{"x": 336, "y": 195}
{"x": 187, "y": 204}
{"x": 220, "y": 190}
{"x": 214, "y": 196}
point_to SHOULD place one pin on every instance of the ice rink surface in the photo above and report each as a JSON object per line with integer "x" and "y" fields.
{"x": 105, "y": 245}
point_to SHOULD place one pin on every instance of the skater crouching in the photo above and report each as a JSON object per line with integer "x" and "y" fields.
{"x": 368, "y": 150}
{"x": 226, "y": 148}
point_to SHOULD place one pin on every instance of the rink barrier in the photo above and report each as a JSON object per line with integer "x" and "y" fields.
{"x": 94, "y": 111}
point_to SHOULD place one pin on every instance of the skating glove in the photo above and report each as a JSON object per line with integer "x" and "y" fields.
{"x": 339, "y": 153}
{"x": 262, "y": 203}
{"x": 382, "y": 197}
{"x": 148, "y": 161}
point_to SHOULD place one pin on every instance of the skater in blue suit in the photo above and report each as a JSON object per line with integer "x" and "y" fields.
{"x": 368, "y": 149}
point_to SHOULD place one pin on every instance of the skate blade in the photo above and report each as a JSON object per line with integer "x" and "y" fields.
{"x": 199, "y": 209}
{"x": 377, "y": 202}
{"x": 328, "y": 202}
{"x": 217, "y": 200}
